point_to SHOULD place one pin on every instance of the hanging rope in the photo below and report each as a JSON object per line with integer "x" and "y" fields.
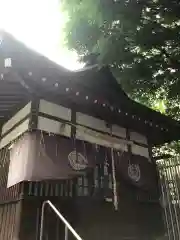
{"x": 115, "y": 197}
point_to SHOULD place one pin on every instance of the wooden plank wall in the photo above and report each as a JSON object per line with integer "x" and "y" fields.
{"x": 92, "y": 217}
{"x": 53, "y": 228}
{"x": 9, "y": 220}
{"x": 98, "y": 220}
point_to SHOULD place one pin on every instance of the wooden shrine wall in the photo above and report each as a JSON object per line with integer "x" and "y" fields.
{"x": 134, "y": 221}
{"x": 58, "y": 120}
{"x": 93, "y": 217}
{"x": 85, "y": 207}
{"x": 83, "y": 198}
{"x": 139, "y": 212}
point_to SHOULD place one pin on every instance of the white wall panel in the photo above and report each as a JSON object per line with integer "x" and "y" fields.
{"x": 16, "y": 118}
{"x": 139, "y": 150}
{"x": 15, "y": 133}
{"x": 55, "y": 110}
{"x": 52, "y": 126}
{"x": 91, "y": 122}
{"x": 118, "y": 131}
{"x": 100, "y": 139}
{"x": 134, "y": 136}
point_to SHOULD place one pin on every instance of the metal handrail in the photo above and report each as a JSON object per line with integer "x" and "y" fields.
{"x": 57, "y": 212}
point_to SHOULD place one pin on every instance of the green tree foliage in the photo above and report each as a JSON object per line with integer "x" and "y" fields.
{"x": 139, "y": 39}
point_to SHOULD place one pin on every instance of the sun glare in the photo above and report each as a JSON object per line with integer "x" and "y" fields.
{"x": 39, "y": 24}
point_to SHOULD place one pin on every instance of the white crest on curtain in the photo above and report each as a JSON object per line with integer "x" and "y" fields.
{"x": 134, "y": 172}
{"x": 77, "y": 161}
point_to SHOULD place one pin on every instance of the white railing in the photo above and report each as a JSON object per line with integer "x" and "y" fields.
{"x": 56, "y": 211}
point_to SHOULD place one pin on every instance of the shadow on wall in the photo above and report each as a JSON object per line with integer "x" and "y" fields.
{"x": 136, "y": 221}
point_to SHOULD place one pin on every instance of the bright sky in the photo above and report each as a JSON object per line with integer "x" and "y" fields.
{"x": 39, "y": 24}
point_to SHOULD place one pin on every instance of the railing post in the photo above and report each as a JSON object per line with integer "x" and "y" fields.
{"x": 66, "y": 233}
{"x": 42, "y": 222}
{"x": 68, "y": 227}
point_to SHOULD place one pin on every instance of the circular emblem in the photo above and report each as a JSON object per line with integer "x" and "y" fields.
{"x": 77, "y": 161}
{"x": 134, "y": 172}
